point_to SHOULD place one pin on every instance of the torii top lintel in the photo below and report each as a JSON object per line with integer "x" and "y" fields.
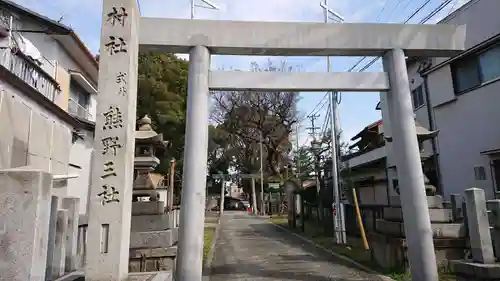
{"x": 300, "y": 39}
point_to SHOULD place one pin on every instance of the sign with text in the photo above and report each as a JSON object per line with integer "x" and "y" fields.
{"x": 274, "y": 186}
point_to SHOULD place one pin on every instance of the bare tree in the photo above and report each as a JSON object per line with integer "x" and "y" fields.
{"x": 249, "y": 118}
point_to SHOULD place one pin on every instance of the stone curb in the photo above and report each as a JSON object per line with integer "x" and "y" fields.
{"x": 341, "y": 257}
{"x": 207, "y": 267}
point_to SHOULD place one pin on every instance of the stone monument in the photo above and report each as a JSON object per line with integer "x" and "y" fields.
{"x": 110, "y": 196}
{"x": 153, "y": 233}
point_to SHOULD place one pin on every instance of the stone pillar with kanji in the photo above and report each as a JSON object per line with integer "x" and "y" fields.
{"x": 110, "y": 197}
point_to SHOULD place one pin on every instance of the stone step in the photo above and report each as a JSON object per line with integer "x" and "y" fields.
{"x": 439, "y": 230}
{"x": 151, "y": 276}
{"x": 434, "y": 202}
{"x": 163, "y": 264}
{"x": 150, "y": 222}
{"x": 153, "y": 252}
{"x": 148, "y": 208}
{"x": 436, "y": 215}
{"x": 470, "y": 271}
{"x": 153, "y": 239}
{"x": 152, "y": 259}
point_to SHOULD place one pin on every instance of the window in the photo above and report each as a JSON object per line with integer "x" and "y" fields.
{"x": 79, "y": 95}
{"x": 479, "y": 173}
{"x": 79, "y": 101}
{"x": 417, "y": 96}
{"x": 475, "y": 70}
{"x": 489, "y": 64}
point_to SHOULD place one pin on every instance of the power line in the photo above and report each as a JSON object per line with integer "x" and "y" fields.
{"x": 322, "y": 102}
{"x": 452, "y": 7}
{"x": 396, "y": 7}
{"x": 315, "y": 110}
{"x": 424, "y": 20}
{"x": 404, "y": 22}
{"x": 324, "y": 127}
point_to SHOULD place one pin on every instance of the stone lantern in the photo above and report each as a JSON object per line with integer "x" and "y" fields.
{"x": 153, "y": 232}
{"x": 148, "y": 145}
{"x": 422, "y": 135}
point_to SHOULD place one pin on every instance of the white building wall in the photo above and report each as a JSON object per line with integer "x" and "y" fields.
{"x": 34, "y": 137}
{"x": 31, "y": 135}
{"x": 53, "y": 55}
{"x": 468, "y": 126}
{"x": 481, "y": 18}
{"x": 467, "y": 123}
{"x": 80, "y": 157}
{"x": 376, "y": 194}
{"x": 44, "y": 44}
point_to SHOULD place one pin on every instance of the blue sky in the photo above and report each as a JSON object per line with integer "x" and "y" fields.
{"x": 356, "y": 109}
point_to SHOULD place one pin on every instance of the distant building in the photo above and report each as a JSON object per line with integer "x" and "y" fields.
{"x": 48, "y": 88}
{"x": 236, "y": 191}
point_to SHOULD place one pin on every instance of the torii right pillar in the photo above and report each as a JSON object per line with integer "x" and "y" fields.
{"x": 407, "y": 156}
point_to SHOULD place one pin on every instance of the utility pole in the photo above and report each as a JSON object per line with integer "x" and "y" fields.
{"x": 316, "y": 146}
{"x": 261, "y": 177}
{"x": 338, "y": 210}
{"x": 313, "y": 128}
{"x": 297, "y": 161}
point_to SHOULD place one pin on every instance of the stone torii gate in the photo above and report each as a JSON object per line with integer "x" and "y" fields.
{"x": 124, "y": 33}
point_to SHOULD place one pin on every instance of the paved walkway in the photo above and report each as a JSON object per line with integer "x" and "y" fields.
{"x": 250, "y": 248}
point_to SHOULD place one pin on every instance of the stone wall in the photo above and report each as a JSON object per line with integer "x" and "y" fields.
{"x": 38, "y": 239}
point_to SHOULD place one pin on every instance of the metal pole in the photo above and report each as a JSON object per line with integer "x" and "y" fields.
{"x": 9, "y": 53}
{"x": 261, "y": 178}
{"x": 222, "y": 195}
{"x": 298, "y": 154}
{"x": 338, "y": 218}
{"x": 340, "y": 214}
{"x": 172, "y": 185}
{"x": 192, "y": 9}
{"x": 254, "y": 197}
{"x": 413, "y": 198}
{"x": 192, "y": 215}
{"x": 336, "y": 197}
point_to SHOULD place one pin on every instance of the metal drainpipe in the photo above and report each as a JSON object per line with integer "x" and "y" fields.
{"x": 432, "y": 127}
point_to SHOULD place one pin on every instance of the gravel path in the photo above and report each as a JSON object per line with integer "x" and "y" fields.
{"x": 250, "y": 248}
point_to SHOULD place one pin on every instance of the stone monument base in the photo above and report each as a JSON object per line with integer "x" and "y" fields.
{"x": 388, "y": 243}
{"x": 158, "y": 259}
{"x": 153, "y": 238}
{"x": 469, "y": 271}
{"x": 151, "y": 276}
{"x": 390, "y": 252}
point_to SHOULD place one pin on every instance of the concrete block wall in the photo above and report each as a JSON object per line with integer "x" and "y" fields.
{"x": 38, "y": 238}
{"x": 31, "y": 136}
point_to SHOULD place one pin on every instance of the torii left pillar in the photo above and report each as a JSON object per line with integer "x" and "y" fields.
{"x": 110, "y": 198}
